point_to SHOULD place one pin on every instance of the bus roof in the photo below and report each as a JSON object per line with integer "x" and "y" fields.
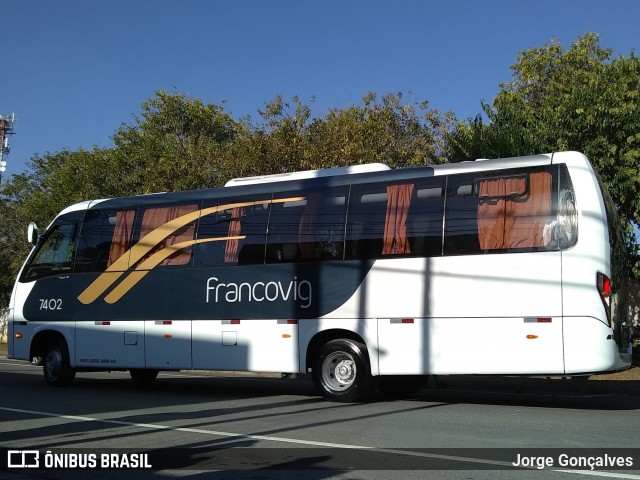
{"x": 318, "y": 179}
{"x": 325, "y": 172}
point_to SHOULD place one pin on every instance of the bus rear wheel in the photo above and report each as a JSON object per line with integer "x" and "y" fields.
{"x": 56, "y": 367}
{"x": 341, "y": 371}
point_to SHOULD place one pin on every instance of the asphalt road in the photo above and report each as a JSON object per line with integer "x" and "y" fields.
{"x": 199, "y": 425}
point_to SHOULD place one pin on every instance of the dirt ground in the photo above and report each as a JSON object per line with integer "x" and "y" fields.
{"x": 632, "y": 374}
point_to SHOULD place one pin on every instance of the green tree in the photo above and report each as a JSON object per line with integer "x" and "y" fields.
{"x": 12, "y": 248}
{"x": 386, "y": 130}
{"x": 176, "y": 143}
{"x": 282, "y": 138}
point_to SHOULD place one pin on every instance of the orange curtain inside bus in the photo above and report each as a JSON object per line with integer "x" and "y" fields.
{"x": 510, "y": 217}
{"x": 154, "y": 218}
{"x": 231, "y": 248}
{"x": 121, "y": 235}
{"x": 395, "y": 224}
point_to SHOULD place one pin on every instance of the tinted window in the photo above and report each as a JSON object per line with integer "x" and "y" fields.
{"x": 105, "y": 237}
{"x": 55, "y": 251}
{"x": 164, "y": 236}
{"x": 511, "y": 210}
{"x": 395, "y": 219}
{"x": 233, "y": 231}
{"x": 461, "y": 216}
{"x": 307, "y": 226}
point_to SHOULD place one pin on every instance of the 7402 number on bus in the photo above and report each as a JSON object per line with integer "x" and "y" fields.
{"x": 50, "y": 304}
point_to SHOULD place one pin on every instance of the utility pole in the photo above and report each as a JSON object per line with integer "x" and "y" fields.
{"x": 7, "y": 125}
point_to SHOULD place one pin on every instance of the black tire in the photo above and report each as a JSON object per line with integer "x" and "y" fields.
{"x": 341, "y": 371}
{"x": 56, "y": 367}
{"x": 143, "y": 377}
{"x": 402, "y": 386}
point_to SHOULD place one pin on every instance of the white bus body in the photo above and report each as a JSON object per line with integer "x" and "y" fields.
{"x": 358, "y": 308}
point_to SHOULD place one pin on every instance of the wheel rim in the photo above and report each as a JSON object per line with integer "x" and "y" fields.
{"x": 53, "y": 364}
{"x": 339, "y": 371}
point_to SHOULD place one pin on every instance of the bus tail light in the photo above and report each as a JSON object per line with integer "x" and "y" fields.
{"x": 603, "y": 283}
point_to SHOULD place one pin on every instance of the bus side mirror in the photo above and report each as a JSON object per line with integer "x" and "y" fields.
{"x": 32, "y": 233}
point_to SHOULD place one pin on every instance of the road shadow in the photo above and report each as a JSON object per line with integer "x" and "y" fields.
{"x": 576, "y": 393}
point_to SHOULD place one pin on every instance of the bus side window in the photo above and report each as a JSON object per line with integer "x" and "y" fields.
{"x": 461, "y": 218}
{"x": 526, "y": 215}
{"x": 399, "y": 219}
{"x": 233, "y": 234}
{"x": 55, "y": 252}
{"x": 365, "y": 221}
{"x": 105, "y": 236}
{"x": 499, "y": 211}
{"x": 168, "y": 246}
{"x": 212, "y": 232}
{"x": 424, "y": 222}
{"x": 310, "y": 227}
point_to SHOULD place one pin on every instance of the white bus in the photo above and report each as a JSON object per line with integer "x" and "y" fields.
{"x": 511, "y": 266}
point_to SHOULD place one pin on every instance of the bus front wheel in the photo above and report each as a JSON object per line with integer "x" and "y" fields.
{"x": 56, "y": 367}
{"x": 341, "y": 371}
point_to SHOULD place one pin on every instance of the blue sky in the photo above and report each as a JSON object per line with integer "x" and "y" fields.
{"x": 72, "y": 71}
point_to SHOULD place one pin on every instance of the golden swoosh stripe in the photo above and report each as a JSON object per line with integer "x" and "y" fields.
{"x": 151, "y": 240}
{"x": 153, "y": 261}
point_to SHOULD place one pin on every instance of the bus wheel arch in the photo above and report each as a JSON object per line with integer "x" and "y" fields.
{"x": 41, "y": 343}
{"x": 52, "y": 348}
{"x": 341, "y": 368}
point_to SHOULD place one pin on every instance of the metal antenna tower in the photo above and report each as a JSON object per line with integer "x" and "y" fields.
{"x": 7, "y": 125}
